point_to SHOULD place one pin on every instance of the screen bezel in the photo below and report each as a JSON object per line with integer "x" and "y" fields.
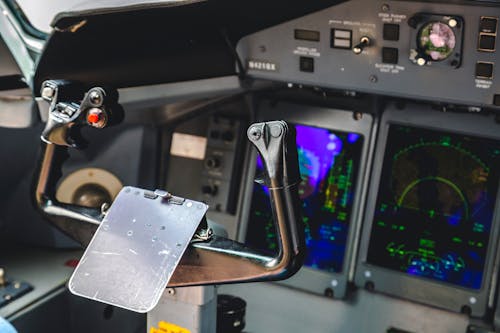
{"x": 308, "y": 279}
{"x": 432, "y": 292}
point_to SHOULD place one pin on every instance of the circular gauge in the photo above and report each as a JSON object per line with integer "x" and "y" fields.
{"x": 436, "y": 40}
{"x": 89, "y": 187}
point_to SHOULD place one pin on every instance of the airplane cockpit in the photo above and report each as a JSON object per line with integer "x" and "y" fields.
{"x": 212, "y": 166}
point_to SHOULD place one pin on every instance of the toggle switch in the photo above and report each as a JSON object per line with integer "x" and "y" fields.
{"x": 363, "y": 43}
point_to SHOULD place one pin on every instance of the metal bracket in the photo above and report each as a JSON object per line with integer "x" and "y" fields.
{"x": 71, "y": 108}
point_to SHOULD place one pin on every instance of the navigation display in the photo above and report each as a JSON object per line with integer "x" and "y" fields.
{"x": 329, "y": 163}
{"x": 435, "y": 205}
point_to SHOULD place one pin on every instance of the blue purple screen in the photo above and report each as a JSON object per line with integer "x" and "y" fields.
{"x": 435, "y": 205}
{"x": 329, "y": 162}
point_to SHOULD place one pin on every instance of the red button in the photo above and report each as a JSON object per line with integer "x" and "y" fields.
{"x": 93, "y": 118}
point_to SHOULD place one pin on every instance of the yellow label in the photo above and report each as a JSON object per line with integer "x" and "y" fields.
{"x": 164, "y": 327}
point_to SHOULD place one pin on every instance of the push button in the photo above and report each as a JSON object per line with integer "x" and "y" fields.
{"x": 496, "y": 100}
{"x": 391, "y": 32}
{"x": 484, "y": 70}
{"x": 341, "y": 39}
{"x": 390, "y": 55}
{"x": 487, "y": 43}
{"x": 306, "y": 64}
{"x": 488, "y": 25}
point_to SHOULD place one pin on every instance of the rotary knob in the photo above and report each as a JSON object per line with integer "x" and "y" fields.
{"x": 210, "y": 190}
{"x": 213, "y": 162}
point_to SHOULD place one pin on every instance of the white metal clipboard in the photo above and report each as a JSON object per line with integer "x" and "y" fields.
{"x": 136, "y": 249}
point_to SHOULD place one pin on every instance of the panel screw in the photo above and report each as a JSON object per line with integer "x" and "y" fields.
{"x": 171, "y": 291}
{"x": 373, "y": 78}
{"x": 255, "y": 133}
{"x": 95, "y": 97}
{"x": 370, "y": 286}
{"x": 385, "y": 7}
{"x": 466, "y": 310}
{"x": 358, "y": 116}
{"x": 452, "y": 23}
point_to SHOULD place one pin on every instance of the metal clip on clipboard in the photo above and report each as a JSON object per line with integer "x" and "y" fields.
{"x": 128, "y": 263}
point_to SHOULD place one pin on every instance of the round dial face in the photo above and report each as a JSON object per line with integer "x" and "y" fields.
{"x": 437, "y": 40}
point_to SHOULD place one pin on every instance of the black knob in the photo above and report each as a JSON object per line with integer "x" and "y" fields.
{"x": 230, "y": 314}
{"x": 212, "y": 162}
{"x": 210, "y": 189}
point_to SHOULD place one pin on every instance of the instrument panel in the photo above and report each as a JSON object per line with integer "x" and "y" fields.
{"x": 431, "y": 222}
{"x": 435, "y": 184}
{"x": 329, "y": 166}
{"x": 429, "y": 230}
{"x": 333, "y": 150}
{"x": 396, "y": 48}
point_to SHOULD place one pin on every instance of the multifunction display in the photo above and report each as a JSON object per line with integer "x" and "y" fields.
{"x": 435, "y": 205}
{"x": 329, "y": 162}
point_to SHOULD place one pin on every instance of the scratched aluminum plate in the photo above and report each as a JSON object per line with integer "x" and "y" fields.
{"x": 135, "y": 250}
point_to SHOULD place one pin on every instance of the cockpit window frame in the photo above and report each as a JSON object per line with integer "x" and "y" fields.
{"x": 23, "y": 20}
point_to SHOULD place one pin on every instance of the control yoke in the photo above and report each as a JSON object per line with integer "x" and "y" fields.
{"x": 210, "y": 259}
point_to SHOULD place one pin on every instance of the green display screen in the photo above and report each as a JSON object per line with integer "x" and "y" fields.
{"x": 435, "y": 205}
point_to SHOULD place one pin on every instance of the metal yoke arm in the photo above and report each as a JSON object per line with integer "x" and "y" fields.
{"x": 215, "y": 260}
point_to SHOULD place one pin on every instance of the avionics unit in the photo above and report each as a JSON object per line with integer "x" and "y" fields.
{"x": 431, "y": 223}
{"x": 332, "y": 148}
{"x": 411, "y": 49}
